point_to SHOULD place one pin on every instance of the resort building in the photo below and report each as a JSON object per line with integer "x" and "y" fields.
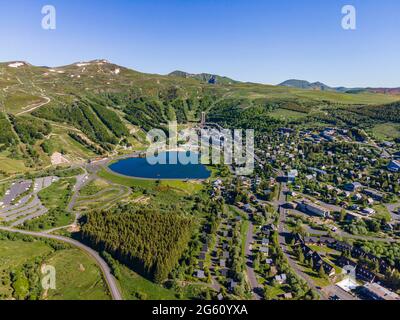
{"x": 375, "y": 291}
{"x": 310, "y": 207}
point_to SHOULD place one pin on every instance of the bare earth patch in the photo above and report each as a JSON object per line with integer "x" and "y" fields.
{"x": 57, "y": 159}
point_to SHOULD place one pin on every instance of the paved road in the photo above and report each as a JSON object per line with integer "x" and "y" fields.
{"x": 111, "y": 282}
{"x": 282, "y": 242}
{"x": 334, "y": 290}
{"x": 394, "y": 209}
{"x": 251, "y": 274}
{"x": 292, "y": 263}
{"x": 214, "y": 262}
{"x": 81, "y": 181}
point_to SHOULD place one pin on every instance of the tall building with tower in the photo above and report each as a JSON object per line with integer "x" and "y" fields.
{"x": 203, "y": 118}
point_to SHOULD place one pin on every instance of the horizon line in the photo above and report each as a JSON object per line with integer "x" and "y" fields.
{"x": 209, "y": 73}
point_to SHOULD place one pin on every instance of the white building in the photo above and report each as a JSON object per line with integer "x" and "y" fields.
{"x": 314, "y": 208}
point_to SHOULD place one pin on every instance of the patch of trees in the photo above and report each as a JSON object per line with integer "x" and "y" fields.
{"x": 113, "y": 264}
{"x": 26, "y": 282}
{"x": 344, "y": 116}
{"x": 111, "y": 120}
{"x": 7, "y": 137}
{"x": 201, "y": 105}
{"x": 387, "y": 112}
{"x": 146, "y": 113}
{"x": 181, "y": 110}
{"x": 78, "y": 138}
{"x": 148, "y": 241}
{"x": 98, "y": 128}
{"x": 296, "y": 106}
{"x": 242, "y": 113}
{"x": 30, "y": 129}
{"x": 82, "y": 117}
{"x": 391, "y": 253}
{"x": 362, "y": 116}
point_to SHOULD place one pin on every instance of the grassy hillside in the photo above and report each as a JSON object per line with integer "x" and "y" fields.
{"x": 97, "y": 108}
{"x": 21, "y": 257}
{"x": 80, "y": 278}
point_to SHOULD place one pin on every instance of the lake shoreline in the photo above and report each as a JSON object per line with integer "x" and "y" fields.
{"x": 147, "y": 167}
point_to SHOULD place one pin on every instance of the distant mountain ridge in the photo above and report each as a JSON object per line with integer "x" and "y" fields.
{"x": 204, "y": 77}
{"x": 303, "y": 84}
{"x": 319, "y": 86}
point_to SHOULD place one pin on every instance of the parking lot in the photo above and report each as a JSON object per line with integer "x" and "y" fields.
{"x": 16, "y": 189}
{"x": 15, "y": 212}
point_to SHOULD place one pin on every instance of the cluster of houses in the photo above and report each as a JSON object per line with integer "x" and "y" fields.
{"x": 221, "y": 259}
{"x": 200, "y": 274}
{"x": 326, "y": 134}
{"x": 316, "y": 258}
{"x": 264, "y": 249}
{"x": 371, "y": 290}
{"x": 246, "y": 207}
{"x": 363, "y": 272}
{"x": 218, "y": 189}
{"x": 266, "y": 232}
{"x": 282, "y": 153}
{"x": 370, "y": 196}
{"x": 369, "y": 192}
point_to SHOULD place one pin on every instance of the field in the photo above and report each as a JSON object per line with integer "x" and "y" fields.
{"x": 13, "y": 254}
{"x": 55, "y": 198}
{"x": 258, "y": 91}
{"x": 135, "y": 287}
{"x": 93, "y": 187}
{"x": 386, "y": 131}
{"x": 101, "y": 200}
{"x": 78, "y": 276}
{"x": 11, "y": 166}
{"x": 58, "y": 194}
{"x": 187, "y": 187}
{"x": 20, "y": 100}
{"x": 125, "y": 181}
{"x": 381, "y": 212}
{"x": 287, "y": 114}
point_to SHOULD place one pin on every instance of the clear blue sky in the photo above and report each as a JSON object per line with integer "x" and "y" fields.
{"x": 265, "y": 41}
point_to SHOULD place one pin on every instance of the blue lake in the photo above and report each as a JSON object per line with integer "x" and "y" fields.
{"x": 143, "y": 168}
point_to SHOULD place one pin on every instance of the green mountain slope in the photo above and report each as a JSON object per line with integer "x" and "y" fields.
{"x": 204, "y": 77}
{"x": 303, "y": 84}
{"x": 99, "y": 108}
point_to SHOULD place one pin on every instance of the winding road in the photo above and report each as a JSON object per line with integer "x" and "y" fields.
{"x": 82, "y": 180}
{"x": 109, "y": 278}
{"x": 35, "y": 106}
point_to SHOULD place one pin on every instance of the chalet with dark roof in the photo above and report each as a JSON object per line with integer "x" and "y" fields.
{"x": 343, "y": 246}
